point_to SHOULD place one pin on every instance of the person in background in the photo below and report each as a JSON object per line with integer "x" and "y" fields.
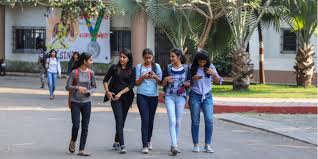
{"x": 118, "y": 84}
{"x": 176, "y": 81}
{"x": 203, "y": 73}
{"x": 148, "y": 77}
{"x": 70, "y": 65}
{"x": 42, "y": 61}
{"x": 53, "y": 66}
{"x": 82, "y": 84}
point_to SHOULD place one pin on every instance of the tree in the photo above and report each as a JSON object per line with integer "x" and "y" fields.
{"x": 271, "y": 17}
{"x": 72, "y": 9}
{"x": 211, "y": 10}
{"x": 173, "y": 23}
{"x": 302, "y": 17}
{"x": 243, "y": 21}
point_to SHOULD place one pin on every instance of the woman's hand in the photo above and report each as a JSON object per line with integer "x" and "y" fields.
{"x": 210, "y": 71}
{"x": 146, "y": 76}
{"x": 186, "y": 85}
{"x": 117, "y": 96}
{"x": 153, "y": 75}
{"x": 110, "y": 95}
{"x": 196, "y": 77}
{"x": 82, "y": 90}
{"x": 169, "y": 79}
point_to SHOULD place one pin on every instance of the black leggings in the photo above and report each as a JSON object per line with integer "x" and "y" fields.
{"x": 77, "y": 109}
{"x": 120, "y": 109}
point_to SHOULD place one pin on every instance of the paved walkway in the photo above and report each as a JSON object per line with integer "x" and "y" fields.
{"x": 279, "y": 127}
{"x": 33, "y": 127}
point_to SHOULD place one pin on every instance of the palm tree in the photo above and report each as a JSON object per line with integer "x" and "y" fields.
{"x": 302, "y": 17}
{"x": 271, "y": 17}
{"x": 174, "y": 23}
{"x": 243, "y": 21}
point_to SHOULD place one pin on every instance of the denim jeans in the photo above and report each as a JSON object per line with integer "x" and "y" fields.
{"x": 147, "y": 108}
{"x": 120, "y": 109}
{"x": 196, "y": 104}
{"x": 51, "y": 77}
{"x": 77, "y": 109}
{"x": 175, "y": 107}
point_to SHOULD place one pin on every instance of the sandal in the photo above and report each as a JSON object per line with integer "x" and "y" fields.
{"x": 71, "y": 147}
{"x": 82, "y": 153}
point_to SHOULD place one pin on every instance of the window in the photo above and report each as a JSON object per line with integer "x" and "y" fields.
{"x": 28, "y": 39}
{"x": 289, "y": 41}
{"x": 119, "y": 39}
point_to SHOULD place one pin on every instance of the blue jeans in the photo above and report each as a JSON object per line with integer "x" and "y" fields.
{"x": 196, "y": 104}
{"x": 51, "y": 77}
{"x": 77, "y": 109}
{"x": 147, "y": 108}
{"x": 175, "y": 107}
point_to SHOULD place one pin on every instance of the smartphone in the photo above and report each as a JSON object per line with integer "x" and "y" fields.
{"x": 200, "y": 77}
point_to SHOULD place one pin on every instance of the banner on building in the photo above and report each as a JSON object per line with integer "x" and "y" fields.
{"x": 83, "y": 35}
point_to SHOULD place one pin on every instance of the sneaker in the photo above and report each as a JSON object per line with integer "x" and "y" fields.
{"x": 145, "y": 150}
{"x": 122, "y": 150}
{"x": 178, "y": 150}
{"x": 208, "y": 149}
{"x": 196, "y": 149}
{"x": 173, "y": 151}
{"x": 149, "y": 146}
{"x": 116, "y": 146}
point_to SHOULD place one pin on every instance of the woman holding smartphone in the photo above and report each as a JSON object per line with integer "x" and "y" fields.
{"x": 203, "y": 73}
{"x": 148, "y": 77}
{"x": 176, "y": 79}
{"x": 81, "y": 83}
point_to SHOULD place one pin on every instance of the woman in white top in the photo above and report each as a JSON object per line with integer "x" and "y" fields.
{"x": 53, "y": 69}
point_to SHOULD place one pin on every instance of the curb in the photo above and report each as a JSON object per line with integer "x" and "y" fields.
{"x": 273, "y": 127}
{"x": 266, "y": 109}
{"x": 222, "y": 108}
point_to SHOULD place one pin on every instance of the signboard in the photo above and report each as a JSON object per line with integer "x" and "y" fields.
{"x": 83, "y": 35}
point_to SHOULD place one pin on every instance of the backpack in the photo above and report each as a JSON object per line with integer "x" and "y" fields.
{"x": 43, "y": 57}
{"x": 169, "y": 68}
{"x": 74, "y": 83}
{"x": 76, "y": 76}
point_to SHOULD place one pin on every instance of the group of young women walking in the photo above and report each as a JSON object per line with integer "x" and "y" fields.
{"x": 179, "y": 80}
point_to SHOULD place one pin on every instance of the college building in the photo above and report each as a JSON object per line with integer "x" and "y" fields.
{"x": 20, "y": 28}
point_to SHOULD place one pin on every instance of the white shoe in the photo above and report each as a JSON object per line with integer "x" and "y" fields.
{"x": 145, "y": 150}
{"x": 149, "y": 146}
{"x": 208, "y": 149}
{"x": 196, "y": 149}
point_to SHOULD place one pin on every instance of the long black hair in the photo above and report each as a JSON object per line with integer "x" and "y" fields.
{"x": 50, "y": 53}
{"x": 201, "y": 55}
{"x": 148, "y": 51}
{"x": 82, "y": 58}
{"x": 179, "y": 54}
{"x": 129, "y": 65}
{"x": 75, "y": 53}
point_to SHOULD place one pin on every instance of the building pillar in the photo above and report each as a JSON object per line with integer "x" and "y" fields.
{"x": 138, "y": 37}
{"x": 2, "y": 30}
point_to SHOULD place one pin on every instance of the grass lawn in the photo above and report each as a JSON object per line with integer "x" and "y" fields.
{"x": 266, "y": 91}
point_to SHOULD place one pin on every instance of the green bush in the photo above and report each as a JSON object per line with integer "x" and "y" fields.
{"x": 22, "y": 66}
